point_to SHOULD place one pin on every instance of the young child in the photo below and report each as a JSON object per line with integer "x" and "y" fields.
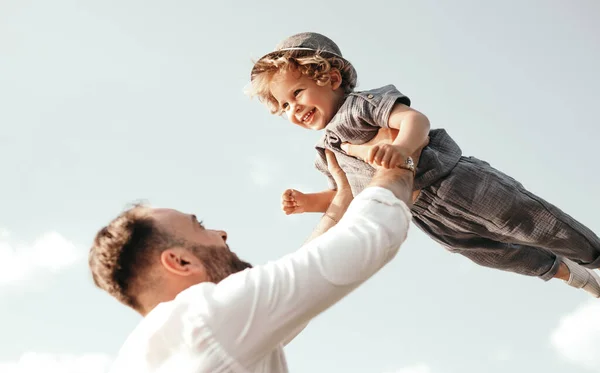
{"x": 461, "y": 202}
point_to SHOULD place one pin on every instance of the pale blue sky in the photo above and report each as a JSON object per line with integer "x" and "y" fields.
{"x": 107, "y": 102}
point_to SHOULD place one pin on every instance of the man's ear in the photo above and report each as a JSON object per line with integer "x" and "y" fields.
{"x": 335, "y": 77}
{"x": 180, "y": 261}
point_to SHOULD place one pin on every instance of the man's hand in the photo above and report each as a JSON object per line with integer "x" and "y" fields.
{"x": 380, "y": 150}
{"x": 342, "y": 199}
{"x": 341, "y": 181}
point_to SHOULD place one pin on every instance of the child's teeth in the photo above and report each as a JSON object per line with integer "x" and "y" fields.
{"x": 306, "y": 116}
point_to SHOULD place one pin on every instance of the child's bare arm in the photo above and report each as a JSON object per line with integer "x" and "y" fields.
{"x": 296, "y": 202}
{"x": 413, "y": 128}
{"x": 407, "y": 134}
{"x": 381, "y": 144}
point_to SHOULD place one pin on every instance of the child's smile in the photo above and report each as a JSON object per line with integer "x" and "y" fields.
{"x": 306, "y": 118}
{"x": 304, "y": 102}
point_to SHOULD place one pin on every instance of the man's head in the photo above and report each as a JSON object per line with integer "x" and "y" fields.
{"x": 146, "y": 256}
{"x": 306, "y": 78}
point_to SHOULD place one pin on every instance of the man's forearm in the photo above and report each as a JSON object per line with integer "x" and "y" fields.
{"x": 333, "y": 214}
{"x": 337, "y": 205}
{"x": 399, "y": 181}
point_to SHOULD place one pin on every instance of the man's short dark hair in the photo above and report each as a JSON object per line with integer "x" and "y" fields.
{"x": 122, "y": 252}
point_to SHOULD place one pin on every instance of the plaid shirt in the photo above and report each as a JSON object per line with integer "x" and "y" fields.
{"x": 358, "y": 120}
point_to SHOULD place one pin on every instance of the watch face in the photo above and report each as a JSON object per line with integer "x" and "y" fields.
{"x": 409, "y": 161}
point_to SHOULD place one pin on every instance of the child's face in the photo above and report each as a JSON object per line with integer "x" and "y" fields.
{"x": 304, "y": 102}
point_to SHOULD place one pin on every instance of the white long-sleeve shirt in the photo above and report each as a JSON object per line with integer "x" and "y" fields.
{"x": 242, "y": 323}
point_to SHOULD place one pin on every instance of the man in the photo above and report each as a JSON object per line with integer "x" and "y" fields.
{"x": 205, "y": 310}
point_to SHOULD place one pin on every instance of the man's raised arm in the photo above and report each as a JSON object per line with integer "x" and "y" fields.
{"x": 254, "y": 311}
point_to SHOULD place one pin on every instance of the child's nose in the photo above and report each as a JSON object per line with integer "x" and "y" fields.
{"x": 294, "y": 110}
{"x": 297, "y": 108}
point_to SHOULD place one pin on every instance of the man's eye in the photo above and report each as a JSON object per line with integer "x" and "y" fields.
{"x": 285, "y": 106}
{"x": 297, "y": 92}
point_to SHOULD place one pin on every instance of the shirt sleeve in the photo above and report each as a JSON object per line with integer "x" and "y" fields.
{"x": 253, "y": 312}
{"x": 375, "y": 106}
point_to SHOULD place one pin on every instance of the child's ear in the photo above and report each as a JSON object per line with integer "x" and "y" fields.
{"x": 335, "y": 78}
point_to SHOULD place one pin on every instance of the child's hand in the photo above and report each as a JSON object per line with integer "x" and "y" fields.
{"x": 381, "y": 152}
{"x": 385, "y": 155}
{"x": 293, "y": 202}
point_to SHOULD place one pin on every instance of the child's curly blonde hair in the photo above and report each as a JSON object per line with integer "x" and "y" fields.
{"x": 315, "y": 65}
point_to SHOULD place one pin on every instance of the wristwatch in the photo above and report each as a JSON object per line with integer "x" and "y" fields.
{"x": 409, "y": 164}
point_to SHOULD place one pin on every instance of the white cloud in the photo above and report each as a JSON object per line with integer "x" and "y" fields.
{"x": 419, "y": 368}
{"x": 50, "y": 363}
{"x": 20, "y": 262}
{"x": 577, "y": 336}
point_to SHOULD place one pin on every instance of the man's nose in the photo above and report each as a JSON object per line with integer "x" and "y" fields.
{"x": 223, "y": 235}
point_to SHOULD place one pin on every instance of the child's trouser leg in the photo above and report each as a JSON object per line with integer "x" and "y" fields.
{"x": 477, "y": 205}
{"x": 520, "y": 259}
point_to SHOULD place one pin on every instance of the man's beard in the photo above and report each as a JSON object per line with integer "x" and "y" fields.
{"x": 219, "y": 262}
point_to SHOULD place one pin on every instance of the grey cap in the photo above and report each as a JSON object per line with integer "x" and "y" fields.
{"x": 309, "y": 41}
